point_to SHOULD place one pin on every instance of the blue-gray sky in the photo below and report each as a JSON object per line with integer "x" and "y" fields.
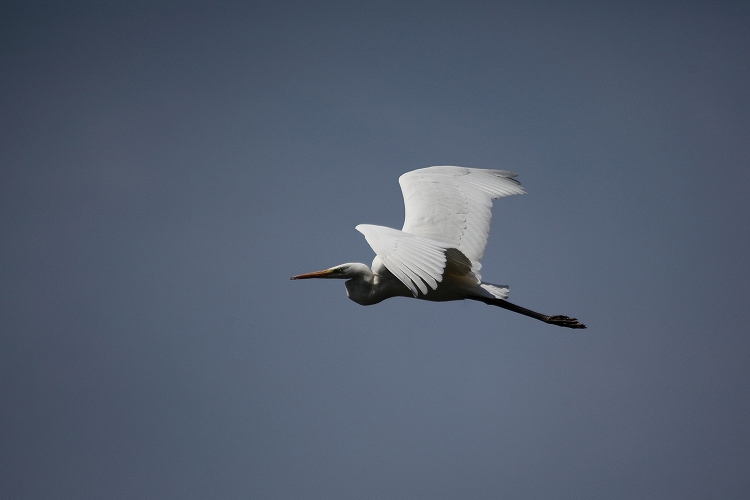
{"x": 167, "y": 166}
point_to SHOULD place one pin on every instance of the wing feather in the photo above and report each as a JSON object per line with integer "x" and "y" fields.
{"x": 453, "y": 205}
{"x": 417, "y": 262}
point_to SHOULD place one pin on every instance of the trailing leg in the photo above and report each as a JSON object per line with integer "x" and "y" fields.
{"x": 552, "y": 320}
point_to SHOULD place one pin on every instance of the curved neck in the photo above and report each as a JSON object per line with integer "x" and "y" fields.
{"x": 371, "y": 288}
{"x": 359, "y": 288}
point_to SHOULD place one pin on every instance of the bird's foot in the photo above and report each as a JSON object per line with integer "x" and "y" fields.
{"x": 565, "y": 321}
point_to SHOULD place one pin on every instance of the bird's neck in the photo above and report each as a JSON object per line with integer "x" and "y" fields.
{"x": 370, "y": 288}
{"x": 359, "y": 288}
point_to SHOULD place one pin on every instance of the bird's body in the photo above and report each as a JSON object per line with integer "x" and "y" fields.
{"x": 436, "y": 256}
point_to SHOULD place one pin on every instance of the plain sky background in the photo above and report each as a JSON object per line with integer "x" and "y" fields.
{"x": 166, "y": 166}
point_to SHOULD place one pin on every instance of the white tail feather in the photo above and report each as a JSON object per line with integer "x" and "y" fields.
{"x": 497, "y": 291}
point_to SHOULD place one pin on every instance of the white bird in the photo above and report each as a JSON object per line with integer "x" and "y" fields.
{"x": 436, "y": 255}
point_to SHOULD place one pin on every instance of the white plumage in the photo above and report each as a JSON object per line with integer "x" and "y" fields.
{"x": 436, "y": 255}
{"x": 454, "y": 205}
{"x": 445, "y": 207}
{"x": 417, "y": 262}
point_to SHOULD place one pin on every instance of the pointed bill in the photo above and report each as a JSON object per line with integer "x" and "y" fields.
{"x": 316, "y": 274}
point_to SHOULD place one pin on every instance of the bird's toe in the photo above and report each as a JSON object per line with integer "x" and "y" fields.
{"x": 566, "y": 322}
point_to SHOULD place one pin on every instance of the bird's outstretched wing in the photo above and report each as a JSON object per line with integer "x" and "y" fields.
{"x": 417, "y": 262}
{"x": 453, "y": 205}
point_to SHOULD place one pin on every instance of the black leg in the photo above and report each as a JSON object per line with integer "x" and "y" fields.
{"x": 552, "y": 320}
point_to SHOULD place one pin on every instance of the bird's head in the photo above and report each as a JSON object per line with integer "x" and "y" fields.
{"x": 342, "y": 271}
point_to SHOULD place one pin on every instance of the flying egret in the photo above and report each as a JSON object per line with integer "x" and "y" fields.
{"x": 436, "y": 254}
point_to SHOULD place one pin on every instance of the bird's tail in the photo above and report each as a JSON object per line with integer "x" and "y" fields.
{"x": 497, "y": 291}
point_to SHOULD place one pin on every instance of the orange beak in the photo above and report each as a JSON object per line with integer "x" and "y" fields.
{"x": 316, "y": 274}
